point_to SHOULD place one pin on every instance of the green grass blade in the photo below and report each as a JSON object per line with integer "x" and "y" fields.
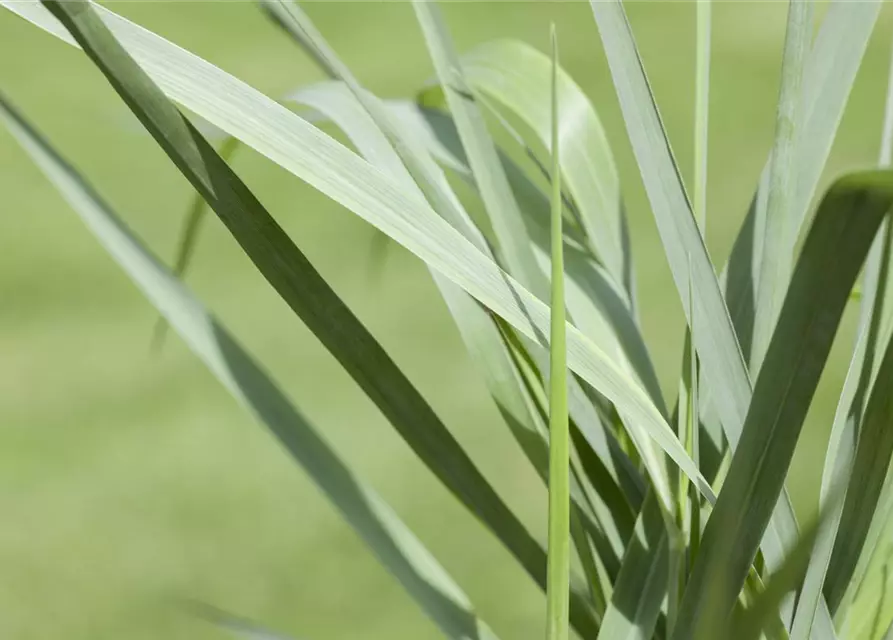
{"x": 835, "y": 249}
{"x": 689, "y": 396}
{"x": 642, "y": 583}
{"x": 779, "y": 231}
{"x": 283, "y": 265}
{"x": 687, "y": 533}
{"x": 309, "y": 154}
{"x": 388, "y": 538}
{"x": 869, "y": 471}
{"x": 829, "y": 75}
{"x": 703, "y": 11}
{"x": 763, "y": 612}
{"x": 512, "y": 243}
{"x": 514, "y": 74}
{"x": 559, "y": 439}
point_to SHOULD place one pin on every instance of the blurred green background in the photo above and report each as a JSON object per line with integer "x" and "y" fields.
{"x": 130, "y": 481}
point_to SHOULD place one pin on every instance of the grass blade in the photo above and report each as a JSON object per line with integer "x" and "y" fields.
{"x": 828, "y": 77}
{"x": 513, "y": 245}
{"x": 642, "y": 583}
{"x": 835, "y": 249}
{"x": 559, "y": 439}
{"x": 514, "y": 73}
{"x": 703, "y": 11}
{"x": 752, "y": 623}
{"x": 283, "y": 265}
{"x": 779, "y": 231}
{"x": 388, "y": 538}
{"x": 869, "y": 471}
{"x": 309, "y": 154}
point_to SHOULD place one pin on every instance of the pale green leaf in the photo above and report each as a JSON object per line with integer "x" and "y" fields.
{"x": 514, "y": 74}
{"x": 779, "y": 231}
{"x": 557, "y": 606}
{"x": 642, "y": 583}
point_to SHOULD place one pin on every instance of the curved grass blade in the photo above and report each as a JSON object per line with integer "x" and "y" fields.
{"x": 869, "y": 471}
{"x": 703, "y": 13}
{"x": 309, "y": 154}
{"x": 835, "y": 249}
{"x": 559, "y": 438}
{"x": 514, "y": 74}
{"x": 302, "y": 288}
{"x": 373, "y": 520}
{"x": 779, "y": 231}
{"x": 512, "y": 243}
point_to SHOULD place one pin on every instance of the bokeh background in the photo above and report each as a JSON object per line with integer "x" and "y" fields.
{"x": 130, "y": 481}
